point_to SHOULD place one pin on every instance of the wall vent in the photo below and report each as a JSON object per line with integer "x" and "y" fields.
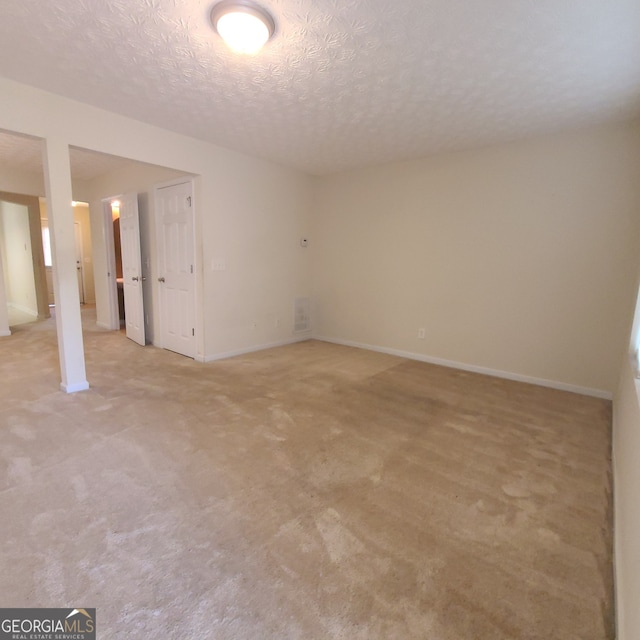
{"x": 301, "y": 315}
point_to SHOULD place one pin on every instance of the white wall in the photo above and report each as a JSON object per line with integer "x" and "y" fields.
{"x": 248, "y": 212}
{"x": 267, "y": 211}
{"x": 17, "y": 181}
{"x": 518, "y": 258}
{"x": 17, "y": 257}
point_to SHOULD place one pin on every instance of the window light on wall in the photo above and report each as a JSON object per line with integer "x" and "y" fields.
{"x": 46, "y": 245}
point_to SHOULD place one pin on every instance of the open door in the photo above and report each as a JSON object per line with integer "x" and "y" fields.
{"x": 132, "y": 267}
{"x": 176, "y": 250}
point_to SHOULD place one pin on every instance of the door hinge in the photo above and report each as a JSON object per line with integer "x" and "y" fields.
{"x": 191, "y": 268}
{"x": 188, "y": 201}
{"x": 193, "y": 332}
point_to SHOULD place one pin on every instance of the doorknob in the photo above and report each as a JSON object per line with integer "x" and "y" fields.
{"x": 160, "y": 279}
{"x": 143, "y": 279}
{"x": 135, "y": 278}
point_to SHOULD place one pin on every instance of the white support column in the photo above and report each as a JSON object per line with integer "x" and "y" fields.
{"x": 57, "y": 172}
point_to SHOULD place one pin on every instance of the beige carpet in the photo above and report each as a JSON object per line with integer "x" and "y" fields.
{"x": 310, "y": 491}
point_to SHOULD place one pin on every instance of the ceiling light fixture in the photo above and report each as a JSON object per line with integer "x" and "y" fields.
{"x": 243, "y": 25}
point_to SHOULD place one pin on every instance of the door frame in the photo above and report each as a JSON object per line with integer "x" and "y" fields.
{"x": 110, "y": 274}
{"x": 132, "y": 278}
{"x": 158, "y": 335}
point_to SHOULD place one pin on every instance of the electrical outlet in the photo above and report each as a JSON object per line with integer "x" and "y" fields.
{"x": 421, "y": 333}
{"x": 218, "y": 264}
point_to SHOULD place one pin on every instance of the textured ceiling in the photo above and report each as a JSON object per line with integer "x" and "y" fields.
{"x": 344, "y": 83}
{"x": 25, "y": 154}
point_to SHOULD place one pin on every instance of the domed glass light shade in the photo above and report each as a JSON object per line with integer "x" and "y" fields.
{"x": 243, "y": 25}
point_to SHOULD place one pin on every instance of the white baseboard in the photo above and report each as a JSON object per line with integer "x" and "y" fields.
{"x": 103, "y": 325}
{"x": 259, "y": 347}
{"x": 72, "y": 388}
{"x": 19, "y": 307}
{"x": 4, "y": 334}
{"x": 517, "y": 377}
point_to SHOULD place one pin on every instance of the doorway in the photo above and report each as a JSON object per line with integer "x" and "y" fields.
{"x": 117, "y": 254}
{"x": 83, "y": 249}
{"x": 122, "y": 235}
{"x": 23, "y": 270}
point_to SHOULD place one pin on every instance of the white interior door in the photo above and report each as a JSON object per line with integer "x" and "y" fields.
{"x": 176, "y": 279}
{"x": 132, "y": 267}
